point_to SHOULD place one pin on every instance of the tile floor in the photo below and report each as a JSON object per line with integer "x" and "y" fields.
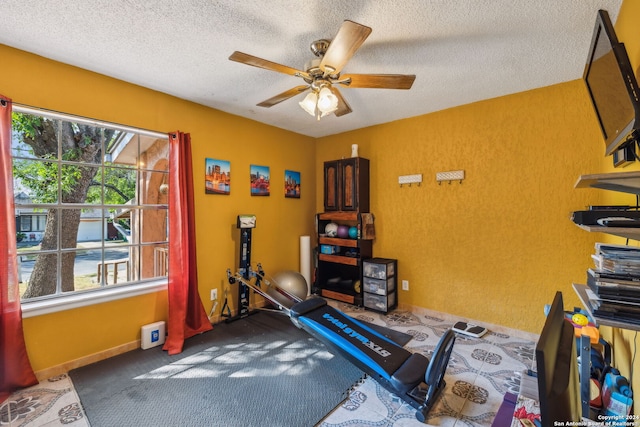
{"x": 480, "y": 371}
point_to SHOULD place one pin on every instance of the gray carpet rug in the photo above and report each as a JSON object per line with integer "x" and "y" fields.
{"x": 257, "y": 371}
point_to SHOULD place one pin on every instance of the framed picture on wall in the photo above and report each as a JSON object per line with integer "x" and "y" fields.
{"x": 292, "y": 184}
{"x": 260, "y": 180}
{"x": 217, "y": 176}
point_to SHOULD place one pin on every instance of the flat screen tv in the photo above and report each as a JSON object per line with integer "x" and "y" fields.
{"x": 612, "y": 86}
{"x": 557, "y": 366}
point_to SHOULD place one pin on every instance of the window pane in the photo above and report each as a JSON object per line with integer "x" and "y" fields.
{"x": 119, "y": 185}
{"x": 35, "y": 181}
{"x": 117, "y": 264}
{"x": 91, "y": 227}
{"x": 154, "y": 224}
{"x": 81, "y": 184}
{"x": 123, "y": 149}
{"x": 83, "y": 143}
{"x": 155, "y": 261}
{"x": 86, "y": 268}
{"x": 34, "y": 136}
{"x": 47, "y": 283}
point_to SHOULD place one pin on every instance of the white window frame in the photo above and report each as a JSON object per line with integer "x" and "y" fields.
{"x": 95, "y": 296}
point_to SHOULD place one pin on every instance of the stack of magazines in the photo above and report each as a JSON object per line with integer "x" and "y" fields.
{"x": 614, "y": 283}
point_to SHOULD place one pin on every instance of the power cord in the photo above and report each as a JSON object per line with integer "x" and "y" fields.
{"x": 633, "y": 359}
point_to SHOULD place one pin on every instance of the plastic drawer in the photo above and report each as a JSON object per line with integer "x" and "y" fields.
{"x": 379, "y": 302}
{"x": 379, "y": 286}
{"x": 379, "y": 268}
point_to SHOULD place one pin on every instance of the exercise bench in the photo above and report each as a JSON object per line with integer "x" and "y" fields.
{"x": 411, "y": 376}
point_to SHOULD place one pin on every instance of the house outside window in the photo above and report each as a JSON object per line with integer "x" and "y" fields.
{"x": 91, "y": 205}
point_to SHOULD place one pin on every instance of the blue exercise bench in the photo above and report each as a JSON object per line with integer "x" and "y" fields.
{"x": 411, "y": 376}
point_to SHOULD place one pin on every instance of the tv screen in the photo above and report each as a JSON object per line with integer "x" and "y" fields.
{"x": 612, "y": 86}
{"x": 557, "y": 366}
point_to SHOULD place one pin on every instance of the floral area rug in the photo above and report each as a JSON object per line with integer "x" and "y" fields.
{"x": 52, "y": 402}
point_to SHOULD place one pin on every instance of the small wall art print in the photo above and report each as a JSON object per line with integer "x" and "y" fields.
{"x": 217, "y": 176}
{"x": 292, "y": 184}
{"x": 260, "y": 180}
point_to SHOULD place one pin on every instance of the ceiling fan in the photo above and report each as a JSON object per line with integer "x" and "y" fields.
{"x": 322, "y": 74}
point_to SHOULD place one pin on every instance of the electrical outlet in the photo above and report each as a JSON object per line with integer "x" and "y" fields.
{"x": 405, "y": 285}
{"x": 214, "y": 294}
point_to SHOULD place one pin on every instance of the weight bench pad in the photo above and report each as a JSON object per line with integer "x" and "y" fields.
{"x": 410, "y": 374}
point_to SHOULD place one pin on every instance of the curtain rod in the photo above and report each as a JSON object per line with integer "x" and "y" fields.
{"x": 20, "y": 108}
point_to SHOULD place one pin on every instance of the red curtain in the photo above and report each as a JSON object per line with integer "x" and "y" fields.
{"x": 15, "y": 368}
{"x": 187, "y": 316}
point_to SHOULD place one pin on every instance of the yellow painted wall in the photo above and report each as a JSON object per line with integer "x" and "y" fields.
{"x": 56, "y": 339}
{"x": 497, "y": 246}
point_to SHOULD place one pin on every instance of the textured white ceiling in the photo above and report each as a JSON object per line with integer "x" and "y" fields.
{"x": 460, "y": 50}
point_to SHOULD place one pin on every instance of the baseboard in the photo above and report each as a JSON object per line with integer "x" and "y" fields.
{"x": 63, "y": 368}
{"x": 54, "y": 371}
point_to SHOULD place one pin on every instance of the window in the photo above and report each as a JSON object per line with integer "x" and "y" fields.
{"x": 91, "y": 205}
{"x": 30, "y": 222}
{"x": 25, "y": 223}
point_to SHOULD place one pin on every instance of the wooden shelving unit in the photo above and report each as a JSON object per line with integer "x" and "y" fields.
{"x": 346, "y": 200}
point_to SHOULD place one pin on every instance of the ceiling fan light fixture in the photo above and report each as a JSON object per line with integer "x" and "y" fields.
{"x": 309, "y": 102}
{"x": 327, "y": 101}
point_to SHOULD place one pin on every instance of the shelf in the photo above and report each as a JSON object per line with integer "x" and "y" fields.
{"x": 339, "y": 216}
{"x": 335, "y": 241}
{"x": 338, "y": 259}
{"x": 627, "y": 233}
{"x": 581, "y": 291}
{"x": 625, "y": 182}
{"x": 339, "y": 296}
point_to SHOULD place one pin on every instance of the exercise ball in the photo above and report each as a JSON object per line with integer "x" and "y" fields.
{"x": 291, "y": 282}
{"x": 343, "y": 231}
{"x": 353, "y": 232}
{"x": 331, "y": 229}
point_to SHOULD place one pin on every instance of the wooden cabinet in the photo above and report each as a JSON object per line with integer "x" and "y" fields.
{"x": 339, "y": 270}
{"x": 346, "y": 185}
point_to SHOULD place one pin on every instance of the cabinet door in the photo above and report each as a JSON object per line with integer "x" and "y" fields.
{"x": 354, "y": 185}
{"x": 331, "y": 186}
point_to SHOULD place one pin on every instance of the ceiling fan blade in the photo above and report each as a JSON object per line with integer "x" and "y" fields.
{"x": 245, "y": 58}
{"x": 378, "y": 81}
{"x": 283, "y": 96}
{"x": 343, "y": 106}
{"x": 349, "y": 39}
